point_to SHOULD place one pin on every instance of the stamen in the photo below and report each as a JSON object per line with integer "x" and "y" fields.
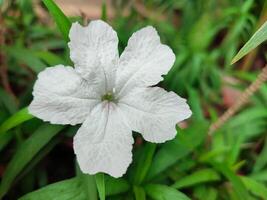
{"x": 109, "y": 96}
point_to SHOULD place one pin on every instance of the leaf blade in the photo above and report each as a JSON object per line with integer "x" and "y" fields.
{"x": 61, "y": 20}
{"x": 100, "y": 184}
{"x": 163, "y": 192}
{"x": 25, "y": 153}
{"x": 255, "y": 187}
{"x": 67, "y": 189}
{"x": 257, "y": 38}
{"x": 185, "y": 142}
{"x": 19, "y": 117}
{"x": 200, "y": 176}
{"x": 238, "y": 185}
{"x": 139, "y": 193}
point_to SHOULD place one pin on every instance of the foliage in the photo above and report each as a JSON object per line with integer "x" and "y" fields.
{"x": 205, "y": 36}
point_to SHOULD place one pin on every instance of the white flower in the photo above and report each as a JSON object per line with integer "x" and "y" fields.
{"x": 110, "y": 95}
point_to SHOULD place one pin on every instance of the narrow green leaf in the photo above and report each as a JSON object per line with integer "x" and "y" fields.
{"x": 21, "y": 116}
{"x": 144, "y": 163}
{"x": 89, "y": 186}
{"x": 50, "y": 58}
{"x": 195, "y": 103}
{"x": 25, "y": 154}
{"x": 238, "y": 185}
{"x": 5, "y": 138}
{"x": 260, "y": 176}
{"x": 255, "y": 187}
{"x": 100, "y": 184}
{"x": 139, "y": 193}
{"x": 115, "y": 186}
{"x": 104, "y": 10}
{"x": 63, "y": 190}
{"x": 211, "y": 194}
{"x": 235, "y": 149}
{"x": 261, "y": 161}
{"x": 259, "y": 36}
{"x": 185, "y": 142}
{"x": 61, "y": 20}
{"x": 39, "y": 156}
{"x": 163, "y": 192}
{"x": 200, "y": 176}
{"x": 27, "y": 57}
{"x": 80, "y": 187}
{"x": 210, "y": 155}
{"x": 8, "y": 101}
{"x": 204, "y": 192}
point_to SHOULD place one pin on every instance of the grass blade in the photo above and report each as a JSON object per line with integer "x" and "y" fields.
{"x": 26, "y": 153}
{"x": 200, "y": 176}
{"x": 100, "y": 184}
{"x": 18, "y": 118}
{"x": 61, "y": 20}
{"x": 238, "y": 185}
{"x": 80, "y": 187}
{"x": 259, "y": 36}
{"x": 184, "y": 143}
{"x": 255, "y": 187}
{"x": 115, "y": 186}
{"x": 163, "y": 192}
{"x": 63, "y": 190}
{"x": 139, "y": 193}
{"x": 144, "y": 162}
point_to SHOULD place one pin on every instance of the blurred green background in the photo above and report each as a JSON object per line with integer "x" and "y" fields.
{"x": 205, "y": 35}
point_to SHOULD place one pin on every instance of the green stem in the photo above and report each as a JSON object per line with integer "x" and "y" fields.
{"x": 100, "y": 184}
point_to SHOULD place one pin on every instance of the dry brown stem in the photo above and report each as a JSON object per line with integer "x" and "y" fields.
{"x": 241, "y": 101}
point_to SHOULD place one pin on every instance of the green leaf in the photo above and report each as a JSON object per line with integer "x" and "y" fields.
{"x": 202, "y": 192}
{"x": 255, "y": 187}
{"x": 144, "y": 163}
{"x": 100, "y": 184}
{"x": 139, "y": 193}
{"x": 5, "y": 138}
{"x": 50, "y": 58}
{"x": 235, "y": 149}
{"x": 195, "y": 103}
{"x": 238, "y": 185}
{"x": 115, "y": 185}
{"x": 200, "y": 176}
{"x": 61, "y": 20}
{"x": 26, "y": 153}
{"x": 18, "y": 118}
{"x": 77, "y": 188}
{"x": 207, "y": 193}
{"x": 260, "y": 176}
{"x": 63, "y": 190}
{"x": 259, "y": 36}
{"x": 8, "y": 101}
{"x": 261, "y": 161}
{"x": 104, "y": 10}
{"x": 88, "y": 186}
{"x": 185, "y": 142}
{"x": 163, "y": 192}
{"x": 27, "y": 57}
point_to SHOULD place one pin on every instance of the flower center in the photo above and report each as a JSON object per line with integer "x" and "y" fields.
{"x": 109, "y": 96}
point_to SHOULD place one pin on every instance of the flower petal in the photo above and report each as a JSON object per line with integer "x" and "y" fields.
{"x": 92, "y": 47}
{"x": 104, "y": 142}
{"x": 61, "y": 96}
{"x": 143, "y": 61}
{"x": 154, "y": 112}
